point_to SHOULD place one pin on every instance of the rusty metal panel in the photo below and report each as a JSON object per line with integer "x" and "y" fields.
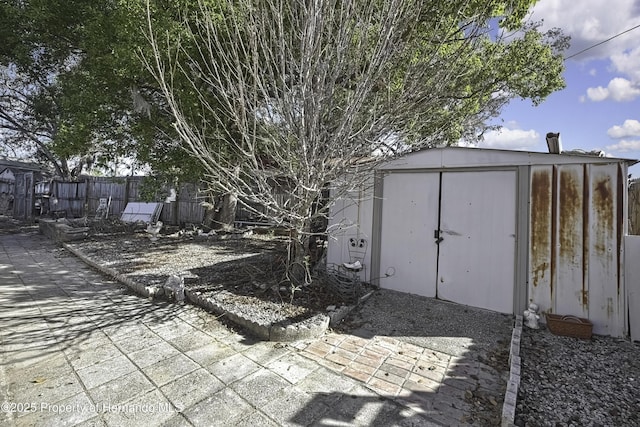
{"x": 571, "y": 287}
{"x": 606, "y": 298}
{"x": 576, "y": 230}
{"x": 540, "y": 232}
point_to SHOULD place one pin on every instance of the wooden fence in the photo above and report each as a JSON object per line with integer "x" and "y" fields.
{"x": 82, "y": 198}
{"x": 634, "y": 207}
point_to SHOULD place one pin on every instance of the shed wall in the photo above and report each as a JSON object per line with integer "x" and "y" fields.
{"x": 351, "y": 216}
{"x": 576, "y": 236}
{"x": 572, "y": 229}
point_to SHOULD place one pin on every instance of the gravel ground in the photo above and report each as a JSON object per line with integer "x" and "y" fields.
{"x": 571, "y": 382}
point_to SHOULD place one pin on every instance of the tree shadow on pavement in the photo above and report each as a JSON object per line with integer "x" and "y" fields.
{"x": 455, "y": 371}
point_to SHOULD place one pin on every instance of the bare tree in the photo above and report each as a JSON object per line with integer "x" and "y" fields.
{"x": 298, "y": 93}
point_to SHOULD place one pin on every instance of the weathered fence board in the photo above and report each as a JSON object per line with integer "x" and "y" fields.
{"x": 634, "y": 207}
{"x": 81, "y": 198}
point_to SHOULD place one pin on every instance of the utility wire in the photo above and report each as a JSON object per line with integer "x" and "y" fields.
{"x": 602, "y": 42}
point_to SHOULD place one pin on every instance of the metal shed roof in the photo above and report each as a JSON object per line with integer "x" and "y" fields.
{"x": 459, "y": 157}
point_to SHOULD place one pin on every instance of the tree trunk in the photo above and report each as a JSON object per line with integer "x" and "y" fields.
{"x": 222, "y": 213}
{"x": 227, "y": 213}
{"x": 298, "y": 266}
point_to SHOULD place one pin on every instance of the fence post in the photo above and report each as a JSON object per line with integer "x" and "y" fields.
{"x": 85, "y": 206}
{"x": 173, "y": 206}
{"x": 126, "y": 191}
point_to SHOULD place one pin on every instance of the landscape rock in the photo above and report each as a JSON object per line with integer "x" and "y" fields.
{"x": 572, "y": 382}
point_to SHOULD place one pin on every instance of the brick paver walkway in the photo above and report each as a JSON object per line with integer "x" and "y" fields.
{"x": 431, "y": 382}
{"x": 78, "y": 349}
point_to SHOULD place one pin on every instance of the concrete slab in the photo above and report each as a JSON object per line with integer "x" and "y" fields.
{"x": 222, "y": 408}
{"x": 294, "y": 407}
{"x": 210, "y": 353}
{"x": 70, "y": 411}
{"x": 81, "y": 358}
{"x": 191, "y": 340}
{"x": 172, "y": 368}
{"x": 151, "y": 409}
{"x": 260, "y": 388}
{"x": 293, "y": 367}
{"x": 191, "y": 388}
{"x": 105, "y": 371}
{"x": 266, "y": 352}
{"x": 121, "y": 389}
{"x": 255, "y": 418}
{"x": 233, "y": 368}
{"x": 153, "y": 354}
{"x": 50, "y": 388}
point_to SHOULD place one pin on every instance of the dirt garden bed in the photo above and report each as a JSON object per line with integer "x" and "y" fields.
{"x": 241, "y": 274}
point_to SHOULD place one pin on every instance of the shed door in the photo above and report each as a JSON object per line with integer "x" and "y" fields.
{"x": 408, "y": 254}
{"x": 475, "y": 215}
{"x": 476, "y": 264}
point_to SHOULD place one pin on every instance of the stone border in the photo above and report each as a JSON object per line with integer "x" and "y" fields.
{"x": 511, "y": 395}
{"x": 313, "y": 327}
{"x": 309, "y": 328}
{"x": 61, "y": 231}
{"x": 136, "y": 287}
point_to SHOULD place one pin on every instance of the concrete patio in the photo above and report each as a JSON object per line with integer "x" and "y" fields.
{"x": 79, "y": 349}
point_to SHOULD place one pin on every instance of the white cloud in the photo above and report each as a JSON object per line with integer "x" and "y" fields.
{"x": 625, "y": 146}
{"x": 592, "y": 21}
{"x": 510, "y": 139}
{"x": 622, "y": 89}
{"x": 628, "y": 128}
{"x": 597, "y": 94}
{"x": 618, "y": 89}
{"x": 627, "y": 62}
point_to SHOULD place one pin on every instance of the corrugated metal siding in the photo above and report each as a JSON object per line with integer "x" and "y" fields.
{"x": 476, "y": 259}
{"x": 575, "y": 243}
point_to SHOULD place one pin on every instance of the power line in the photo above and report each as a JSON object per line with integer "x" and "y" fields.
{"x": 602, "y": 42}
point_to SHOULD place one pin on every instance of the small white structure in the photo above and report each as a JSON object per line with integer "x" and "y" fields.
{"x": 495, "y": 229}
{"x": 141, "y": 211}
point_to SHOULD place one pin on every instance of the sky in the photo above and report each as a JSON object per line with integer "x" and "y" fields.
{"x": 600, "y": 107}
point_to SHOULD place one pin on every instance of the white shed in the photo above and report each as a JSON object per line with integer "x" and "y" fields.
{"x": 495, "y": 229}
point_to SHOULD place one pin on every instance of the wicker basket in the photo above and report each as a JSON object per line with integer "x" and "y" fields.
{"x": 348, "y": 286}
{"x": 570, "y": 326}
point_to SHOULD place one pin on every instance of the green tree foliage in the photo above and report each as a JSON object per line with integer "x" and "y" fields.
{"x": 76, "y": 93}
